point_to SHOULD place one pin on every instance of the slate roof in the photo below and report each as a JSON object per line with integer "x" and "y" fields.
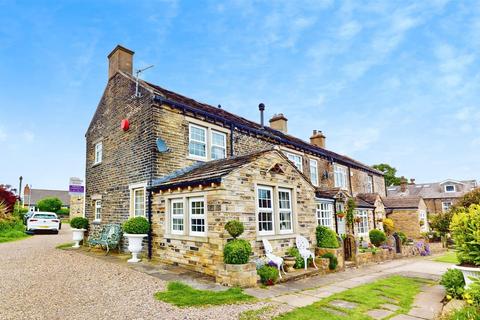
{"x": 433, "y": 190}
{"x": 401, "y": 202}
{"x": 179, "y": 101}
{"x": 369, "y": 198}
{"x": 39, "y": 194}
{"x": 362, "y": 204}
{"x": 205, "y": 172}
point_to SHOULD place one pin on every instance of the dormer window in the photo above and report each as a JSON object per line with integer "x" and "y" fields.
{"x": 450, "y": 188}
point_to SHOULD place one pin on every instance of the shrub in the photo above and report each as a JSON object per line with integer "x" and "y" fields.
{"x": 472, "y": 295}
{"x": 50, "y": 204}
{"x": 453, "y": 282}
{"x": 332, "y": 265}
{"x": 466, "y": 313}
{"x": 388, "y": 225}
{"x": 20, "y": 212}
{"x": 234, "y": 228}
{"x": 137, "y": 225}
{"x": 7, "y": 197}
{"x": 377, "y": 237}
{"x": 299, "y": 262}
{"x": 268, "y": 275}
{"x": 465, "y": 228}
{"x": 326, "y": 238}
{"x": 237, "y": 251}
{"x": 63, "y": 212}
{"x": 79, "y": 223}
{"x": 402, "y": 236}
{"x": 472, "y": 197}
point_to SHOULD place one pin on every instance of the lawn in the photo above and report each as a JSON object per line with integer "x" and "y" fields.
{"x": 182, "y": 295}
{"x": 11, "y": 230}
{"x": 370, "y": 296}
{"x": 448, "y": 257}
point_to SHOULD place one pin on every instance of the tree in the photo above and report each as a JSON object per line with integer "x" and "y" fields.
{"x": 7, "y": 197}
{"x": 389, "y": 173}
{"x": 441, "y": 223}
{"x": 469, "y": 198}
{"x": 49, "y": 204}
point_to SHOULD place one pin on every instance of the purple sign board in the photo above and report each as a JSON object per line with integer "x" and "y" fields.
{"x": 76, "y": 189}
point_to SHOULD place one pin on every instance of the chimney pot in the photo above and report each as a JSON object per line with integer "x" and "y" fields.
{"x": 279, "y": 122}
{"x": 120, "y": 59}
{"x": 318, "y": 139}
{"x": 261, "y": 107}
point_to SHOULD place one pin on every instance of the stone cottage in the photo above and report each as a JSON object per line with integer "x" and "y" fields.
{"x": 189, "y": 167}
{"x": 409, "y": 215}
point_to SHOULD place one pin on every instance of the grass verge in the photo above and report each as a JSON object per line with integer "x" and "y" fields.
{"x": 367, "y": 297}
{"x": 182, "y": 295}
{"x": 11, "y": 230}
{"x": 466, "y": 313}
{"x": 448, "y": 257}
{"x": 65, "y": 245}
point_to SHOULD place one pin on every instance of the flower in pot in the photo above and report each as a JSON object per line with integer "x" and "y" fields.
{"x": 358, "y": 219}
{"x": 268, "y": 275}
{"x": 341, "y": 215}
{"x": 236, "y": 251}
{"x": 465, "y": 228}
{"x": 135, "y": 229}
{"x": 79, "y": 226}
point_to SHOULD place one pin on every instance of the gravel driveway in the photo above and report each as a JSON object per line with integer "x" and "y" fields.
{"x": 38, "y": 281}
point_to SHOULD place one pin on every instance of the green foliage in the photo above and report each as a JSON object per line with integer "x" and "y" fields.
{"x": 326, "y": 238}
{"x": 465, "y": 227}
{"x": 472, "y": 197}
{"x": 389, "y": 173}
{"x": 388, "y": 225}
{"x": 377, "y": 237}
{"x": 441, "y": 222}
{"x": 182, "y": 295}
{"x": 350, "y": 210}
{"x": 63, "y": 212}
{"x": 12, "y": 229}
{"x": 137, "y": 225}
{"x": 49, "y": 204}
{"x": 332, "y": 265}
{"x": 19, "y": 211}
{"x": 472, "y": 294}
{"x": 402, "y": 236}
{"x": 453, "y": 282}
{"x": 466, "y": 313}
{"x": 299, "y": 262}
{"x": 268, "y": 275}
{"x": 448, "y": 257}
{"x": 79, "y": 223}
{"x": 66, "y": 245}
{"x": 237, "y": 251}
{"x": 234, "y": 228}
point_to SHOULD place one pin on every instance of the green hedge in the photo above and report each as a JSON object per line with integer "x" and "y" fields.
{"x": 79, "y": 223}
{"x": 137, "y": 225}
{"x": 237, "y": 252}
{"x": 326, "y": 238}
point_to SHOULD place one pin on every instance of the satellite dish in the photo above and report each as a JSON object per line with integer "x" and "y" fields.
{"x": 162, "y": 146}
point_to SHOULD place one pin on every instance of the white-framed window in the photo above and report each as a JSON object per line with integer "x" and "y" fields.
{"x": 98, "y": 153}
{"x": 450, "y": 188}
{"x": 285, "y": 211}
{"x": 138, "y": 199}
{"x": 197, "y": 216}
{"x": 325, "y": 214}
{"x": 219, "y": 145}
{"x": 296, "y": 159}
{"x": 314, "y": 172}
{"x": 446, "y": 205}
{"x": 423, "y": 217}
{"x": 340, "y": 176}
{"x": 265, "y": 210}
{"x": 363, "y": 224}
{"x": 177, "y": 210}
{"x": 98, "y": 210}
{"x": 369, "y": 184}
{"x": 197, "y": 145}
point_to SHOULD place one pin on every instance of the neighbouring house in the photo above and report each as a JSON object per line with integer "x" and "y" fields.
{"x": 189, "y": 167}
{"x": 438, "y": 196}
{"x": 409, "y": 215}
{"x": 32, "y": 196}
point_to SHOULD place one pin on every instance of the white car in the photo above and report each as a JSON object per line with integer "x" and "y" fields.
{"x": 47, "y": 221}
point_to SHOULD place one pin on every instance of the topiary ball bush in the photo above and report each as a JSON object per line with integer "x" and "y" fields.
{"x": 326, "y": 238}
{"x": 234, "y": 228}
{"x": 137, "y": 225}
{"x": 237, "y": 252}
{"x": 377, "y": 237}
{"x": 79, "y": 223}
{"x": 268, "y": 275}
{"x": 332, "y": 265}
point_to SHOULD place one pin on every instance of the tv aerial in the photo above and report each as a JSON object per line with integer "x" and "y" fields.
{"x": 137, "y": 73}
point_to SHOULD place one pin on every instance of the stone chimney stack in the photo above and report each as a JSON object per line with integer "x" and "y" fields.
{"x": 279, "y": 122}
{"x": 403, "y": 184}
{"x": 120, "y": 59}
{"x": 318, "y": 139}
{"x": 412, "y": 181}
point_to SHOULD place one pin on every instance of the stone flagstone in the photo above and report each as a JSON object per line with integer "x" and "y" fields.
{"x": 296, "y": 300}
{"x": 379, "y": 313}
{"x": 334, "y": 311}
{"x": 390, "y": 307}
{"x": 343, "y": 304}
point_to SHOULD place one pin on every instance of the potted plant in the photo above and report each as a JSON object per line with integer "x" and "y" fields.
{"x": 289, "y": 262}
{"x": 135, "y": 229}
{"x": 358, "y": 219}
{"x": 465, "y": 228}
{"x": 341, "y": 215}
{"x": 79, "y": 226}
{"x": 268, "y": 275}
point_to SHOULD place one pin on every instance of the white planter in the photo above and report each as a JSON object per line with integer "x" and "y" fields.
{"x": 469, "y": 272}
{"x": 135, "y": 245}
{"x": 77, "y": 236}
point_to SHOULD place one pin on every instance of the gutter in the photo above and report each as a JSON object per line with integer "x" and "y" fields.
{"x": 208, "y": 115}
{"x": 185, "y": 184}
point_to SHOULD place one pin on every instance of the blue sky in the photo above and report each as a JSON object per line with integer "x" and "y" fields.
{"x": 386, "y": 81}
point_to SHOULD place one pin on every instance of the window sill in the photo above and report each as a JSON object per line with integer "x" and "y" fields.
{"x": 276, "y": 236}
{"x": 186, "y": 237}
{"x": 96, "y": 164}
{"x": 96, "y": 221}
{"x": 189, "y": 157}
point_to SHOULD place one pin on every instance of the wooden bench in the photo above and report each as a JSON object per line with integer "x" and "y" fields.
{"x": 109, "y": 237}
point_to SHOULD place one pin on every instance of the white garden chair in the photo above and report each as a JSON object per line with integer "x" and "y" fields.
{"x": 271, "y": 257}
{"x": 304, "y": 248}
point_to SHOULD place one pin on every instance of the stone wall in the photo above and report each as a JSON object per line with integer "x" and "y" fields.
{"x": 76, "y": 206}
{"x": 406, "y": 221}
{"x": 434, "y": 206}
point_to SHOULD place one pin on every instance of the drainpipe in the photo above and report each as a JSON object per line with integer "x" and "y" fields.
{"x": 350, "y": 180}
{"x": 335, "y": 212}
{"x": 374, "y": 219}
{"x": 149, "y": 204}
{"x": 231, "y": 139}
